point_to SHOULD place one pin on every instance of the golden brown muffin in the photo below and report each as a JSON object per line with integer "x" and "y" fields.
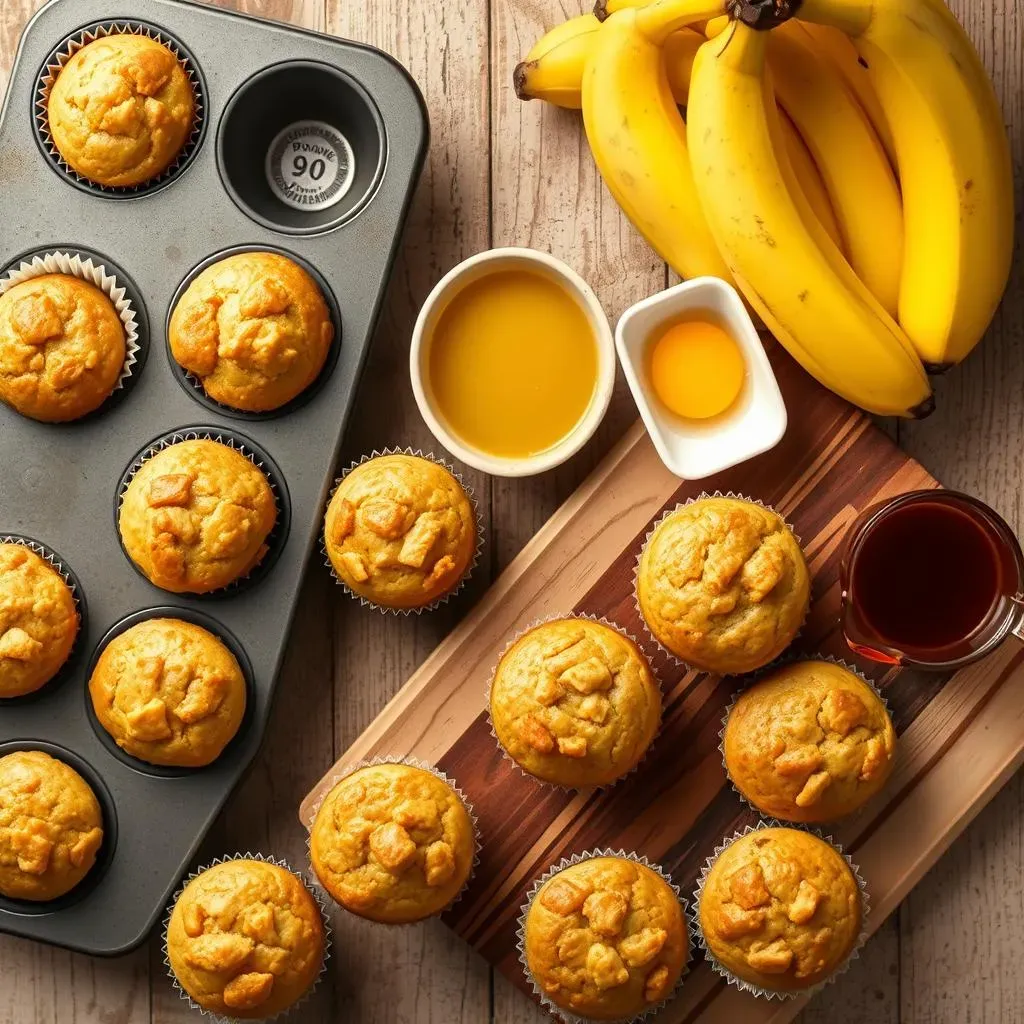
{"x": 606, "y": 939}
{"x": 400, "y": 531}
{"x": 723, "y": 585}
{"x": 574, "y": 702}
{"x": 809, "y": 742}
{"x": 254, "y": 328}
{"x": 62, "y": 347}
{"x": 196, "y": 517}
{"x": 393, "y": 843}
{"x": 38, "y": 621}
{"x": 121, "y": 110}
{"x": 169, "y": 692}
{"x": 51, "y": 826}
{"x": 246, "y": 939}
{"x": 780, "y": 909}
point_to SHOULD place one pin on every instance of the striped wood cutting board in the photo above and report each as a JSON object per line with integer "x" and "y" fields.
{"x": 960, "y": 737}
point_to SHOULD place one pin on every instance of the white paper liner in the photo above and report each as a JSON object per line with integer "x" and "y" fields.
{"x": 474, "y": 561}
{"x": 757, "y": 990}
{"x": 210, "y": 1015}
{"x": 643, "y": 547}
{"x": 793, "y": 658}
{"x": 554, "y": 1009}
{"x": 226, "y": 438}
{"x": 66, "y": 51}
{"x": 562, "y": 618}
{"x": 60, "y": 262}
{"x": 412, "y": 762}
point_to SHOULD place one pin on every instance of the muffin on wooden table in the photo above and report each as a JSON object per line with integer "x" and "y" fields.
{"x": 51, "y": 826}
{"x": 722, "y": 583}
{"x": 574, "y": 702}
{"x": 393, "y": 843}
{"x": 809, "y": 742}
{"x": 254, "y": 328}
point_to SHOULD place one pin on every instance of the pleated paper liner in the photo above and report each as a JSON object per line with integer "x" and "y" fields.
{"x": 746, "y": 986}
{"x": 274, "y": 541}
{"x": 71, "y": 580}
{"x": 578, "y": 858}
{"x": 478, "y": 519}
{"x": 412, "y": 762}
{"x": 216, "y": 1018}
{"x": 561, "y": 618}
{"x": 52, "y": 67}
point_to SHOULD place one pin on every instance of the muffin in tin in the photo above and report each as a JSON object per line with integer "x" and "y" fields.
{"x": 254, "y": 328}
{"x": 121, "y": 110}
{"x": 51, "y": 826}
{"x": 169, "y": 692}
{"x": 574, "y": 702}
{"x": 722, "y": 583}
{"x": 196, "y": 516}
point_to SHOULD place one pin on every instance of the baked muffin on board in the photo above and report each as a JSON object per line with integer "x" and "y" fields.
{"x": 62, "y": 347}
{"x": 574, "y": 702}
{"x": 51, "y": 826}
{"x": 246, "y": 939}
{"x": 780, "y": 909}
{"x": 809, "y": 742}
{"x": 605, "y": 939}
{"x": 38, "y": 621}
{"x": 121, "y": 110}
{"x": 196, "y": 516}
{"x": 169, "y": 692}
{"x": 723, "y": 585}
{"x": 401, "y": 531}
{"x": 393, "y": 842}
{"x": 254, "y": 328}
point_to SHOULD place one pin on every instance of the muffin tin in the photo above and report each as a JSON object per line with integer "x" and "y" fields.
{"x": 60, "y": 483}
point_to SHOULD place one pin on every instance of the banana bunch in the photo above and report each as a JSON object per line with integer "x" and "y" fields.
{"x": 844, "y": 164}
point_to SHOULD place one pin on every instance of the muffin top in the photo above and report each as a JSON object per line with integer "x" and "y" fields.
{"x": 780, "y": 909}
{"x": 121, "y": 110}
{"x": 393, "y": 843}
{"x": 169, "y": 692}
{"x": 51, "y": 826}
{"x": 400, "y": 531}
{"x": 723, "y": 585}
{"x": 62, "y": 347}
{"x": 606, "y": 938}
{"x": 574, "y": 703}
{"x": 809, "y": 742}
{"x": 246, "y": 939}
{"x": 196, "y": 517}
{"x": 254, "y": 328}
{"x": 38, "y": 621}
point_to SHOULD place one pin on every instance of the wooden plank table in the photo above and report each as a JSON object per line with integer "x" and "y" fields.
{"x": 501, "y": 173}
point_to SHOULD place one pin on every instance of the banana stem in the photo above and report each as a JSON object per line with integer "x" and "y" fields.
{"x": 851, "y": 16}
{"x": 660, "y": 19}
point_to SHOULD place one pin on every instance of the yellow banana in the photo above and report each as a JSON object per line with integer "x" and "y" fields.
{"x": 638, "y": 136}
{"x": 954, "y": 164}
{"x": 553, "y": 69}
{"x": 787, "y": 267}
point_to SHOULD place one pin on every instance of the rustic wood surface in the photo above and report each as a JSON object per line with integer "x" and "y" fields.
{"x": 501, "y": 172}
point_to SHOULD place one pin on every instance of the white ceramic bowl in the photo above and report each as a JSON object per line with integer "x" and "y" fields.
{"x": 451, "y": 284}
{"x": 695, "y": 449}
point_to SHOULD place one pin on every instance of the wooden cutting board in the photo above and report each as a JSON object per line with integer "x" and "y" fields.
{"x": 961, "y": 736}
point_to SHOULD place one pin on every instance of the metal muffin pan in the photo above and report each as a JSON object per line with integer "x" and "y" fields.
{"x": 59, "y": 483}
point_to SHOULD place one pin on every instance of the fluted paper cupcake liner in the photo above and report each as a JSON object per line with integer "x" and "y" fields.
{"x": 412, "y": 762}
{"x": 278, "y": 533}
{"x": 55, "y": 64}
{"x": 757, "y": 990}
{"x": 643, "y": 547}
{"x": 478, "y": 518}
{"x": 578, "y": 858}
{"x": 97, "y": 274}
{"x": 601, "y": 620}
{"x": 217, "y": 1018}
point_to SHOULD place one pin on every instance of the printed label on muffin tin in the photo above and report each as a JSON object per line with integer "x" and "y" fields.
{"x": 310, "y": 165}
